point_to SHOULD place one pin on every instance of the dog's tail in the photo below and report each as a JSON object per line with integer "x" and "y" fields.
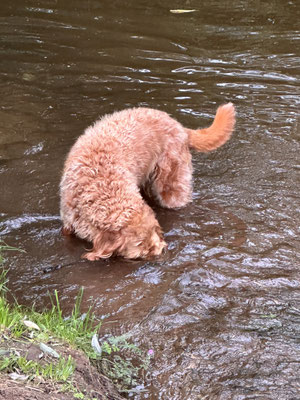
{"x": 217, "y": 134}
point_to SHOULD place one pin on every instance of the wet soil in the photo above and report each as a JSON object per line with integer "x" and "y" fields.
{"x": 86, "y": 379}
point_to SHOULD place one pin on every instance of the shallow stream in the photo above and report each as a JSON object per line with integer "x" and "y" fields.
{"x": 221, "y": 310}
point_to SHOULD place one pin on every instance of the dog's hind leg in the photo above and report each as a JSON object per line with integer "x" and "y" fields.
{"x": 171, "y": 182}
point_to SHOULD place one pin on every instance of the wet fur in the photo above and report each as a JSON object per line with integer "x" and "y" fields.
{"x": 113, "y": 159}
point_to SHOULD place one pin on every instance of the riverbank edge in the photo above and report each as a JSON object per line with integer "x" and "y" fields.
{"x": 44, "y": 355}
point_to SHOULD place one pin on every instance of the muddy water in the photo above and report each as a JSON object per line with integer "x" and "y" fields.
{"x": 221, "y": 310}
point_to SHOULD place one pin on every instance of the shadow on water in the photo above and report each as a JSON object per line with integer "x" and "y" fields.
{"x": 221, "y": 308}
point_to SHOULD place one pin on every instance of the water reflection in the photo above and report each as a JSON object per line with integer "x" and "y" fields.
{"x": 221, "y": 308}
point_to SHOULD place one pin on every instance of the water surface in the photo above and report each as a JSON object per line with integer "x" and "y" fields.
{"x": 221, "y": 309}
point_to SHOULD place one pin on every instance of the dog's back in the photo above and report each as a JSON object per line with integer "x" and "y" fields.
{"x": 135, "y": 138}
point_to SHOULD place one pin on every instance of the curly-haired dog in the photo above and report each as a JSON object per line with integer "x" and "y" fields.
{"x": 113, "y": 159}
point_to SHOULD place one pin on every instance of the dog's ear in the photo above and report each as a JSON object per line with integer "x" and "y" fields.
{"x": 105, "y": 244}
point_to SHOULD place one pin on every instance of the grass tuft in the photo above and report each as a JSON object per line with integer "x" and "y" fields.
{"x": 76, "y": 329}
{"x": 60, "y": 371}
{"x": 115, "y": 357}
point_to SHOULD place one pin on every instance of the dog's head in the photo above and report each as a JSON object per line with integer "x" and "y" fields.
{"x": 141, "y": 238}
{"x": 146, "y": 242}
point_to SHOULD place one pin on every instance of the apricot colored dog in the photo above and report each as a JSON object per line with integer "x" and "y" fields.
{"x": 113, "y": 159}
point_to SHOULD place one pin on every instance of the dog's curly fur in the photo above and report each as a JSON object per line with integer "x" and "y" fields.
{"x": 113, "y": 159}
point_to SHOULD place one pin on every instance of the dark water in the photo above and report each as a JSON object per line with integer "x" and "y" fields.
{"x": 222, "y": 309}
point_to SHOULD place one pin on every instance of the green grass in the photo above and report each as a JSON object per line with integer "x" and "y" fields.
{"x": 118, "y": 359}
{"x": 59, "y": 371}
{"x": 76, "y": 329}
{"x": 53, "y": 327}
